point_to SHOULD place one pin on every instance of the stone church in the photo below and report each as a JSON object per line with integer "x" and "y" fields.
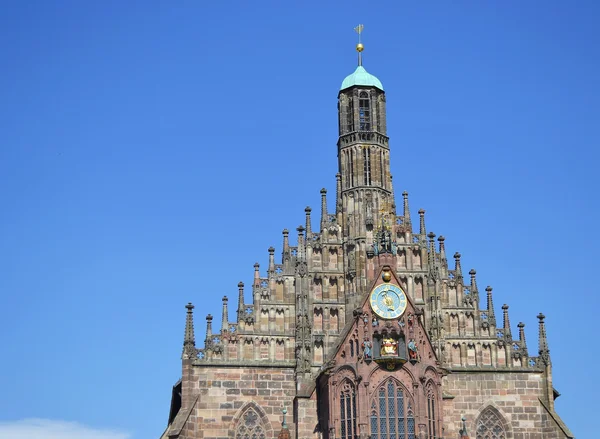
{"x": 365, "y": 327}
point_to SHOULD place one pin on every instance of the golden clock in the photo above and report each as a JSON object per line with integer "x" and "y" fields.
{"x": 388, "y": 301}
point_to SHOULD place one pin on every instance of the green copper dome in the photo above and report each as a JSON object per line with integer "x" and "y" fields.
{"x": 361, "y": 77}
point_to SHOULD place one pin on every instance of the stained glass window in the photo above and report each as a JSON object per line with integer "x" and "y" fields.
{"x": 490, "y": 425}
{"x": 347, "y": 411}
{"x": 387, "y": 416}
{"x": 250, "y": 426}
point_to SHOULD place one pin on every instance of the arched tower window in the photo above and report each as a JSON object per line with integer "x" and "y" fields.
{"x": 367, "y": 165}
{"x": 364, "y": 111}
{"x": 490, "y": 425}
{"x": 350, "y": 115}
{"x": 348, "y": 411}
{"x": 250, "y": 426}
{"x": 432, "y": 412}
{"x": 391, "y": 412}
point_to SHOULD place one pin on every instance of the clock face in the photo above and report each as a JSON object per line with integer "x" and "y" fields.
{"x": 388, "y": 301}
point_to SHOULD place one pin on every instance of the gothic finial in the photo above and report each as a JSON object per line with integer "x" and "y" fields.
{"x": 406, "y": 212}
{"x": 472, "y": 273}
{"x": 522, "y": 341}
{"x": 457, "y": 267}
{"x": 300, "y": 253}
{"x": 441, "y": 242}
{"x": 463, "y": 431}
{"x": 189, "y": 339}
{"x": 323, "y": 208}
{"x": 490, "y": 306}
{"x": 271, "y": 260}
{"x": 286, "y": 243}
{"x": 422, "y": 222}
{"x": 241, "y": 304}
{"x": 543, "y": 351}
{"x": 359, "y": 47}
{"x": 256, "y": 274}
{"x": 208, "y": 327}
{"x": 225, "y": 319}
{"x": 506, "y": 321}
{"x": 307, "y": 211}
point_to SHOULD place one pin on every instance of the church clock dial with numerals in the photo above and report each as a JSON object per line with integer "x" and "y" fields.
{"x": 388, "y": 301}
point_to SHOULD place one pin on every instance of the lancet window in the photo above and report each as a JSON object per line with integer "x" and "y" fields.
{"x": 432, "y": 412}
{"x": 367, "y": 165}
{"x": 391, "y": 412}
{"x": 364, "y": 112}
{"x": 348, "y": 411}
{"x": 490, "y": 425}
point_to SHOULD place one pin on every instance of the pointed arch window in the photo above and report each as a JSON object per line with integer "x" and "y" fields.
{"x": 367, "y": 165}
{"x": 432, "y": 412}
{"x": 490, "y": 425}
{"x": 391, "y": 412}
{"x": 250, "y": 426}
{"x": 350, "y": 115}
{"x": 364, "y": 111}
{"x": 348, "y": 411}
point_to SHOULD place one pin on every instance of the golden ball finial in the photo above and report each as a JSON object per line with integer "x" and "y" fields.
{"x": 360, "y": 47}
{"x": 386, "y": 275}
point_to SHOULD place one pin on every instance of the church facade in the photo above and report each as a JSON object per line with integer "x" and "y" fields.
{"x": 365, "y": 328}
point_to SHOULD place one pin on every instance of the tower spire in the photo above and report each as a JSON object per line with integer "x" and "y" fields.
{"x": 189, "y": 340}
{"x": 359, "y": 46}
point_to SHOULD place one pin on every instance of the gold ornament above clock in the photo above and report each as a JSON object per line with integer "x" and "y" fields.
{"x": 388, "y": 301}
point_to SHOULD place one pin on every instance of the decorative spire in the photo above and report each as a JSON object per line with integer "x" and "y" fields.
{"x": 256, "y": 274}
{"x": 431, "y": 237}
{"x": 271, "y": 260}
{"x": 284, "y": 433}
{"x": 286, "y": 242}
{"x": 338, "y": 193}
{"x": 544, "y": 352}
{"x": 307, "y": 211}
{"x": 506, "y": 322}
{"x": 406, "y": 213}
{"x": 300, "y": 253}
{"x": 323, "y": 208}
{"x": 490, "y": 306}
{"x": 441, "y": 240}
{"x": 241, "y": 305}
{"x": 422, "y": 222}
{"x": 522, "y": 341}
{"x": 189, "y": 340}
{"x": 472, "y": 273}
{"x": 359, "y": 46}
{"x": 457, "y": 267}
{"x": 225, "y": 318}
{"x": 463, "y": 431}
{"x": 208, "y": 329}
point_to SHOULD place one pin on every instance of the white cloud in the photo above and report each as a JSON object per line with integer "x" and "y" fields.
{"x": 51, "y": 429}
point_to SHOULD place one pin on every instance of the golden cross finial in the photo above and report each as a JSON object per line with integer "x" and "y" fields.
{"x": 359, "y": 46}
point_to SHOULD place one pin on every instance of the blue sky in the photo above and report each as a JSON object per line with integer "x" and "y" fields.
{"x": 151, "y": 152}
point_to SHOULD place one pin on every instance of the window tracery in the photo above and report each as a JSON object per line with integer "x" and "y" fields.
{"x": 490, "y": 425}
{"x": 250, "y": 426}
{"x": 348, "y": 411}
{"x": 391, "y": 414}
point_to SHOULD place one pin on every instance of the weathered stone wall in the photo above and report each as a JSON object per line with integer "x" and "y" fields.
{"x": 515, "y": 396}
{"x": 225, "y": 393}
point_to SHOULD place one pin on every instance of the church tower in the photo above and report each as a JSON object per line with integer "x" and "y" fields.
{"x": 365, "y": 204}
